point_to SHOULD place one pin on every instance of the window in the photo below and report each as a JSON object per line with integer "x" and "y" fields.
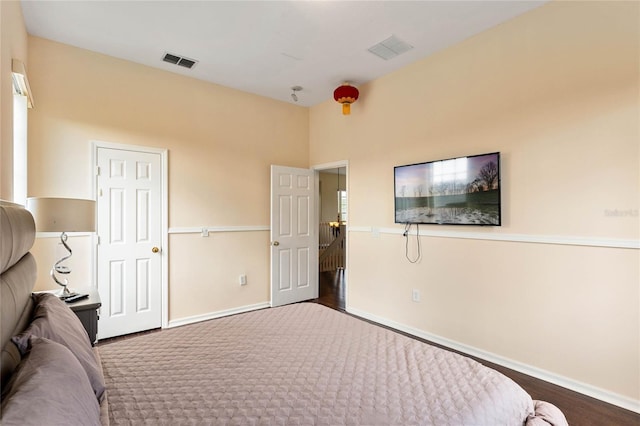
{"x": 19, "y": 149}
{"x": 342, "y": 205}
{"x": 22, "y": 100}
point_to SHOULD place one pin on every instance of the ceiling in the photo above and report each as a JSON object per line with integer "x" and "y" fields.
{"x": 266, "y": 47}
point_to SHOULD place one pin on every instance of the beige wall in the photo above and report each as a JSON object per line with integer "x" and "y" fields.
{"x": 13, "y": 45}
{"x": 221, "y": 143}
{"x": 556, "y": 92}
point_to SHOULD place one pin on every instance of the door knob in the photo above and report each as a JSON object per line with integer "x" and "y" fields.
{"x": 276, "y": 243}
{"x": 155, "y": 249}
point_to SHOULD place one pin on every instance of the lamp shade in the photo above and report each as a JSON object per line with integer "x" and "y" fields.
{"x": 63, "y": 214}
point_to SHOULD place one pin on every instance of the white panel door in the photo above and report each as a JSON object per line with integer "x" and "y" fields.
{"x": 130, "y": 232}
{"x": 294, "y": 236}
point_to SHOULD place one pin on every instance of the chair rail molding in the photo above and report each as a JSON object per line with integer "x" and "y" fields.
{"x": 521, "y": 238}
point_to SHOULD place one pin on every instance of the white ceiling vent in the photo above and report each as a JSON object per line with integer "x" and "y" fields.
{"x": 179, "y": 60}
{"x": 390, "y": 48}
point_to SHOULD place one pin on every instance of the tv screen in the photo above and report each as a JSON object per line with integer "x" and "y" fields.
{"x": 457, "y": 191}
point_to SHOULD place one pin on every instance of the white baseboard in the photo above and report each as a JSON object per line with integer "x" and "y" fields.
{"x": 574, "y": 385}
{"x": 217, "y": 314}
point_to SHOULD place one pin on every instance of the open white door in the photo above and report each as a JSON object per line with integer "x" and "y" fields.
{"x": 294, "y": 236}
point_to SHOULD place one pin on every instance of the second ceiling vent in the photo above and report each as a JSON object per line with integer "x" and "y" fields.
{"x": 179, "y": 60}
{"x": 390, "y": 48}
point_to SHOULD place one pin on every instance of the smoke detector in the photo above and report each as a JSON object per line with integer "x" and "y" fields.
{"x": 295, "y": 89}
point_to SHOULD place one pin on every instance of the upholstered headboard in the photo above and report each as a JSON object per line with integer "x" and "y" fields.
{"x": 17, "y": 278}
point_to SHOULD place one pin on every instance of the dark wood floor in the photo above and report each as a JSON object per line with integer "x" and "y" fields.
{"x": 580, "y": 410}
{"x": 331, "y": 290}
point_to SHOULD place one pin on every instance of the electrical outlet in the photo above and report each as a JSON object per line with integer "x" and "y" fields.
{"x": 242, "y": 279}
{"x": 415, "y": 295}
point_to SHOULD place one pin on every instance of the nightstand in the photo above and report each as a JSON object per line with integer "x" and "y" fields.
{"x": 87, "y": 310}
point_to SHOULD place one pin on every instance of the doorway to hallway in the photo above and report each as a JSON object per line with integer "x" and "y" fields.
{"x": 332, "y": 235}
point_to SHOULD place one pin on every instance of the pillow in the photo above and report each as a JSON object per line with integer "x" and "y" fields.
{"x": 52, "y": 319}
{"x": 49, "y": 387}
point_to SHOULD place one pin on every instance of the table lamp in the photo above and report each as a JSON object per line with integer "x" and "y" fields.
{"x": 62, "y": 215}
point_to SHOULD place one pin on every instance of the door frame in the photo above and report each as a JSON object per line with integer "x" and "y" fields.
{"x": 335, "y": 165}
{"x": 164, "y": 219}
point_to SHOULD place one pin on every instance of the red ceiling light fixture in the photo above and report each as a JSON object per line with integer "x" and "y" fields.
{"x": 346, "y": 95}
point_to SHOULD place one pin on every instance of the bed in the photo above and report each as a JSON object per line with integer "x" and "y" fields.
{"x": 301, "y": 364}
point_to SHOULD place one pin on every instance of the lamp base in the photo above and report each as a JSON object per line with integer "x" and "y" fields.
{"x": 65, "y": 293}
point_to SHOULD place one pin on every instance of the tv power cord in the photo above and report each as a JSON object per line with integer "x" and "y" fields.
{"x": 405, "y": 234}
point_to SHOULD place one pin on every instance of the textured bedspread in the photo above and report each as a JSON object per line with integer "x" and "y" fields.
{"x": 301, "y": 364}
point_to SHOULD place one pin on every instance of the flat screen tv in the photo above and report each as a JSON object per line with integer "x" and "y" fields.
{"x": 457, "y": 191}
